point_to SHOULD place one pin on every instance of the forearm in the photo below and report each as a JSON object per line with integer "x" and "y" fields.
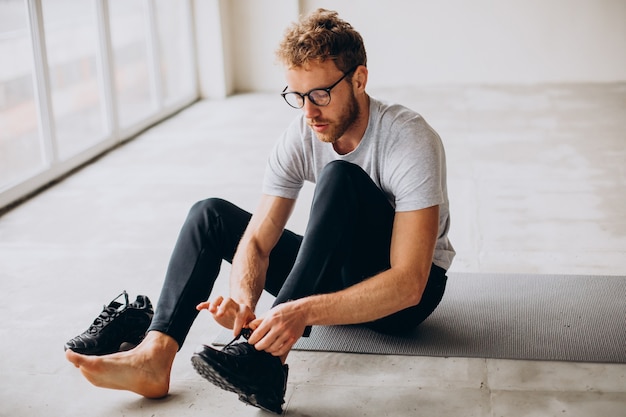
{"x": 399, "y": 287}
{"x": 372, "y": 299}
{"x": 251, "y": 260}
{"x": 247, "y": 277}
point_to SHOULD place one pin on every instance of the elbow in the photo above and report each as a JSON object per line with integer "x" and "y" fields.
{"x": 414, "y": 298}
{"x": 414, "y": 290}
{"x": 411, "y": 296}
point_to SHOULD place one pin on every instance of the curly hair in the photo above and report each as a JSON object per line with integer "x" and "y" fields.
{"x": 320, "y": 36}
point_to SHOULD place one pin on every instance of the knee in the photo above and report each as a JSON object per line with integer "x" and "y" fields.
{"x": 204, "y": 209}
{"x": 336, "y": 172}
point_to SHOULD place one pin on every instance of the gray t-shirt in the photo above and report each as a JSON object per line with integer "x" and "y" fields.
{"x": 402, "y": 154}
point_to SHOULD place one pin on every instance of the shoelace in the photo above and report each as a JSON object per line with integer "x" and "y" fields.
{"x": 245, "y": 333}
{"x": 108, "y": 314}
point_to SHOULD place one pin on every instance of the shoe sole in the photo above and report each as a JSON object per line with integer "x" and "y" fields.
{"x": 221, "y": 379}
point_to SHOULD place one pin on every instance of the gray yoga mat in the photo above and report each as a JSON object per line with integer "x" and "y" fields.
{"x": 506, "y": 316}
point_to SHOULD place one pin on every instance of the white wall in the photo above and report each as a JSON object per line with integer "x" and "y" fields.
{"x": 256, "y": 28}
{"x": 444, "y": 41}
{"x": 236, "y": 40}
{"x": 491, "y": 41}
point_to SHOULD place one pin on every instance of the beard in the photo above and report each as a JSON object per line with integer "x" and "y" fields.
{"x": 346, "y": 119}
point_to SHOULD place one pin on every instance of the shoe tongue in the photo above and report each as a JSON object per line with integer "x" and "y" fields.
{"x": 115, "y": 306}
{"x": 119, "y": 306}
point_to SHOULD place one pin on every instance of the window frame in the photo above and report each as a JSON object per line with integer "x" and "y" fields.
{"x": 53, "y": 167}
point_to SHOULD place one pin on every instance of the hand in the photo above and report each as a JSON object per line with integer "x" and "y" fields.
{"x": 229, "y": 313}
{"x": 278, "y": 329}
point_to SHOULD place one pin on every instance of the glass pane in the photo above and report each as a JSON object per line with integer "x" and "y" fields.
{"x": 72, "y": 42}
{"x": 20, "y": 146}
{"x": 129, "y": 21}
{"x": 175, "y": 48}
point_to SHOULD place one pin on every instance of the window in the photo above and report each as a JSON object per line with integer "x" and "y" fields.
{"x": 80, "y": 76}
{"x": 20, "y": 148}
{"x": 174, "y": 43}
{"x": 72, "y": 57}
{"x": 129, "y": 32}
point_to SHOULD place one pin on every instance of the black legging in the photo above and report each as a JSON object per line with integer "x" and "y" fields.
{"x": 346, "y": 241}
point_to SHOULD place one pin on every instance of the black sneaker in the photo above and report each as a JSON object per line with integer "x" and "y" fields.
{"x": 119, "y": 323}
{"x": 259, "y": 378}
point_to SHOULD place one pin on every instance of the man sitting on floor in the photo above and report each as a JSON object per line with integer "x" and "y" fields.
{"x": 375, "y": 250}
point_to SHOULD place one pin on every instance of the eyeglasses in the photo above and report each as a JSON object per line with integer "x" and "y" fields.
{"x": 317, "y": 96}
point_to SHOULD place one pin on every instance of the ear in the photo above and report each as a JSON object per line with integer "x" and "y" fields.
{"x": 359, "y": 78}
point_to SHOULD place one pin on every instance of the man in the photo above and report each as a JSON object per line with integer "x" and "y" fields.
{"x": 375, "y": 250}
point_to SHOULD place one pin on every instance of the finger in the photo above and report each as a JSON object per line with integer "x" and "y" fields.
{"x": 203, "y": 305}
{"x": 281, "y": 346}
{"x": 237, "y": 326}
{"x": 224, "y": 306}
{"x": 258, "y": 331}
{"x": 215, "y": 304}
{"x": 254, "y": 324}
{"x": 270, "y": 345}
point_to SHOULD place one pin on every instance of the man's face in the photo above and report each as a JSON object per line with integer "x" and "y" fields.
{"x": 329, "y": 122}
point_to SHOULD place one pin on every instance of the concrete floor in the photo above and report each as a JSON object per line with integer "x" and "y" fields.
{"x": 537, "y": 184}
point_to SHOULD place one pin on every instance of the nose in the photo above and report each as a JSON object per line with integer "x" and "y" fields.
{"x": 310, "y": 110}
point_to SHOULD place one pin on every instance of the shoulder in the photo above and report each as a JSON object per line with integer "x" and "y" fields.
{"x": 402, "y": 127}
{"x": 390, "y": 112}
{"x": 400, "y": 121}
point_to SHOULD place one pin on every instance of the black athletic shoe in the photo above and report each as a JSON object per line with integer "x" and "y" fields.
{"x": 259, "y": 378}
{"x": 119, "y": 323}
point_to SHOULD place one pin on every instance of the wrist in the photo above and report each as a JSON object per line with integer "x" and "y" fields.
{"x": 243, "y": 299}
{"x": 306, "y": 307}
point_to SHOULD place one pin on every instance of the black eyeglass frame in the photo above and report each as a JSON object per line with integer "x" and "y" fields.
{"x": 311, "y": 99}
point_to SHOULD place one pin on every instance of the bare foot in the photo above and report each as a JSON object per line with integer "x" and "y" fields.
{"x": 144, "y": 370}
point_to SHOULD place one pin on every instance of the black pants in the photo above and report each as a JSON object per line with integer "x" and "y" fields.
{"x": 346, "y": 241}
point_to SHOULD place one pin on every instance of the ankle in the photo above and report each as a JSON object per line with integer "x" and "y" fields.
{"x": 161, "y": 342}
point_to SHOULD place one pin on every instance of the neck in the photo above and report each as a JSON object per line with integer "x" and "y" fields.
{"x": 353, "y": 136}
